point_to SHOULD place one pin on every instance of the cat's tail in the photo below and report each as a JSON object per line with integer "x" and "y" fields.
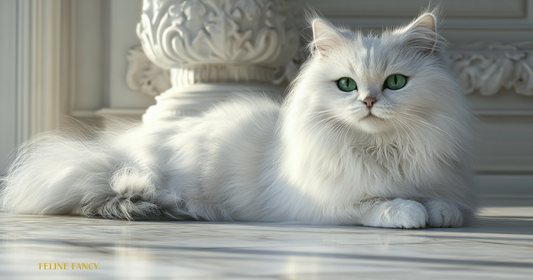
{"x": 55, "y": 175}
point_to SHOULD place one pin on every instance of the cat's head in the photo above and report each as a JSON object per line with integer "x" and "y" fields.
{"x": 377, "y": 83}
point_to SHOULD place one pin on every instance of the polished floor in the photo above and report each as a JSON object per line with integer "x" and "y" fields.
{"x": 498, "y": 246}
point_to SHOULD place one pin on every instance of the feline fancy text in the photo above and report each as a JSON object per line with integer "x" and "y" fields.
{"x": 68, "y": 266}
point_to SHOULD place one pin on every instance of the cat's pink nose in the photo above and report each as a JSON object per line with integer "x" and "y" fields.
{"x": 369, "y": 101}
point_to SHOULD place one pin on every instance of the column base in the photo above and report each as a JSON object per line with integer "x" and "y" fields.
{"x": 186, "y": 101}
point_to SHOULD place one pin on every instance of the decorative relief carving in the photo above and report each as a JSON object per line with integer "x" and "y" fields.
{"x": 191, "y": 32}
{"x": 490, "y": 66}
{"x": 144, "y": 76}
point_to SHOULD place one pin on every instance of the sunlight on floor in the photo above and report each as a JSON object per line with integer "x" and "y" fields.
{"x": 498, "y": 246}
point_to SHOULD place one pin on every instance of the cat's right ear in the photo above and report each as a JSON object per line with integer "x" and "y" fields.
{"x": 422, "y": 35}
{"x": 325, "y": 37}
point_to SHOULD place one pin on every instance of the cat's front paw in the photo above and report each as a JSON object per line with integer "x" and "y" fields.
{"x": 397, "y": 213}
{"x": 443, "y": 214}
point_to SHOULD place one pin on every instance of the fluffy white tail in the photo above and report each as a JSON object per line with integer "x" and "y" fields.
{"x": 55, "y": 175}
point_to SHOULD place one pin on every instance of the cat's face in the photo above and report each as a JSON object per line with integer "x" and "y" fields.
{"x": 377, "y": 84}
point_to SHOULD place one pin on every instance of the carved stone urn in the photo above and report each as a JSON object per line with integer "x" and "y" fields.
{"x": 214, "y": 49}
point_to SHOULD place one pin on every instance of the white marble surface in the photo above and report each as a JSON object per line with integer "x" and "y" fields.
{"x": 498, "y": 246}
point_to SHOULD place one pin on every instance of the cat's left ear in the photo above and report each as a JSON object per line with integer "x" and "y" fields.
{"x": 421, "y": 34}
{"x": 326, "y": 38}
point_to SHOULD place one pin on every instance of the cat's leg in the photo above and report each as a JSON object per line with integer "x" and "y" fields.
{"x": 443, "y": 214}
{"x": 396, "y": 213}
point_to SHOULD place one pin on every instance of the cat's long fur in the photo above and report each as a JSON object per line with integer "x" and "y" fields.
{"x": 317, "y": 158}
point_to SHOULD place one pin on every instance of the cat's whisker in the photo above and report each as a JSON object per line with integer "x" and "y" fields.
{"x": 449, "y": 139}
{"x": 420, "y": 121}
{"x": 435, "y": 114}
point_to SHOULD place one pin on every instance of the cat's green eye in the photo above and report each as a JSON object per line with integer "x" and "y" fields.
{"x": 395, "y": 81}
{"x": 346, "y": 84}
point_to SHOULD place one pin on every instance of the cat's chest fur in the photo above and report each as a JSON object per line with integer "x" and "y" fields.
{"x": 360, "y": 170}
{"x": 384, "y": 156}
{"x": 393, "y": 160}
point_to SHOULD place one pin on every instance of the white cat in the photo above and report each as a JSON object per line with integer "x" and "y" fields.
{"x": 374, "y": 131}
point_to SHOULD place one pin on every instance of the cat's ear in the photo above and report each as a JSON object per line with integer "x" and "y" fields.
{"x": 426, "y": 20}
{"x": 326, "y": 38}
{"x": 421, "y": 34}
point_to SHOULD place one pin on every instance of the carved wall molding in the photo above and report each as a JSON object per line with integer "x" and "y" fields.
{"x": 489, "y": 67}
{"x": 202, "y": 42}
{"x": 144, "y": 76}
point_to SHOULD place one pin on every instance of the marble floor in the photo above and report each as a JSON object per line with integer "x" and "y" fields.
{"x": 498, "y": 246}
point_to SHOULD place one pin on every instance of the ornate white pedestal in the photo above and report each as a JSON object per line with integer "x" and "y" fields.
{"x": 214, "y": 49}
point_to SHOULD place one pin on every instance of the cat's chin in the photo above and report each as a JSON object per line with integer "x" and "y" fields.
{"x": 374, "y": 125}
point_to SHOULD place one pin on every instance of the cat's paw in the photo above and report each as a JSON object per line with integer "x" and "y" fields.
{"x": 443, "y": 214}
{"x": 398, "y": 213}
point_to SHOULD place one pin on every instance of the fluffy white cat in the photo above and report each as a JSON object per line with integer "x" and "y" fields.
{"x": 374, "y": 131}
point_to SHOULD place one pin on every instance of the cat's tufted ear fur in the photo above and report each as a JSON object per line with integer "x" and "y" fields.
{"x": 326, "y": 38}
{"x": 426, "y": 20}
{"x": 421, "y": 34}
